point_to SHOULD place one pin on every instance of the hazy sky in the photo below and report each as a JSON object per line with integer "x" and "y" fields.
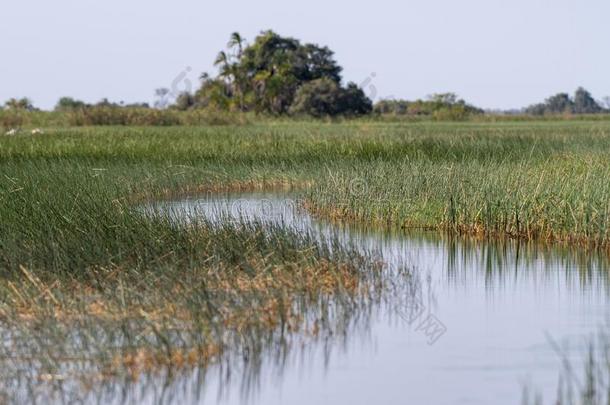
{"x": 496, "y": 54}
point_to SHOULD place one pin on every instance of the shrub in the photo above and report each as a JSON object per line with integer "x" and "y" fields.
{"x": 68, "y": 103}
{"x": 324, "y": 97}
{"x": 11, "y": 119}
{"x": 109, "y": 115}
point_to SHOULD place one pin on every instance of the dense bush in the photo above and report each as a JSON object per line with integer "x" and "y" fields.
{"x": 562, "y": 103}
{"x": 11, "y": 119}
{"x": 68, "y": 103}
{"x": 324, "y": 97}
{"x": 446, "y": 106}
{"x": 99, "y": 115}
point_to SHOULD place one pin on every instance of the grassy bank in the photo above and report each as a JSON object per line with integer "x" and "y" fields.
{"x": 542, "y": 181}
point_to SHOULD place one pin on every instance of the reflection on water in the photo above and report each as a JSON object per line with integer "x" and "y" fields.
{"x": 477, "y": 332}
{"x": 495, "y": 263}
{"x": 499, "y": 302}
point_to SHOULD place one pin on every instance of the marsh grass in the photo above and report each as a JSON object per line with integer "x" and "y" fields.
{"x": 543, "y": 183}
{"x": 93, "y": 288}
{"x": 208, "y": 294}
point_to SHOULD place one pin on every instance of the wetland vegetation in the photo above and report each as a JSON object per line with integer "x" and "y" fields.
{"x": 92, "y": 287}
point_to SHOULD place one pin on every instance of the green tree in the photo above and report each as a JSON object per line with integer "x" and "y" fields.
{"x": 222, "y": 62}
{"x": 264, "y": 76}
{"x": 353, "y": 101}
{"x": 317, "y": 98}
{"x": 395, "y": 107}
{"x": 314, "y": 62}
{"x": 271, "y": 62}
{"x": 325, "y": 97}
{"x": 69, "y": 103}
{"x": 442, "y": 106}
{"x": 444, "y": 98}
{"x": 584, "y": 103}
{"x": 184, "y": 101}
{"x": 240, "y": 80}
{"x": 214, "y": 93}
{"x": 238, "y": 42}
{"x": 558, "y": 104}
{"x": 22, "y": 104}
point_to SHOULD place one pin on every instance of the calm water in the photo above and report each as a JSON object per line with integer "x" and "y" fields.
{"x": 481, "y": 333}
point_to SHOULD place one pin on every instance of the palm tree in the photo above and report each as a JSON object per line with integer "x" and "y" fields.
{"x": 236, "y": 41}
{"x": 222, "y": 60}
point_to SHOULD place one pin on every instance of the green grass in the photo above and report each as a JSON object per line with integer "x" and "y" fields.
{"x": 66, "y": 197}
{"x": 92, "y": 289}
{"x": 77, "y": 257}
{"x": 537, "y": 182}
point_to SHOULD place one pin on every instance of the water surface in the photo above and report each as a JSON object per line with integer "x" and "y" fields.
{"x": 488, "y": 313}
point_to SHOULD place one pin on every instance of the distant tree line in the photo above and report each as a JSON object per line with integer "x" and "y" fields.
{"x": 278, "y": 75}
{"x": 71, "y": 104}
{"x": 19, "y": 104}
{"x": 441, "y": 106}
{"x": 66, "y": 104}
{"x": 561, "y": 103}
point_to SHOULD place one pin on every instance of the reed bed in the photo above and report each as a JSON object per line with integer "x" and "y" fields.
{"x": 93, "y": 287}
{"x": 185, "y": 296}
{"x": 64, "y": 194}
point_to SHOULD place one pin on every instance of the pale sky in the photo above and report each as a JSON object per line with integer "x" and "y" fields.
{"x": 493, "y": 53}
